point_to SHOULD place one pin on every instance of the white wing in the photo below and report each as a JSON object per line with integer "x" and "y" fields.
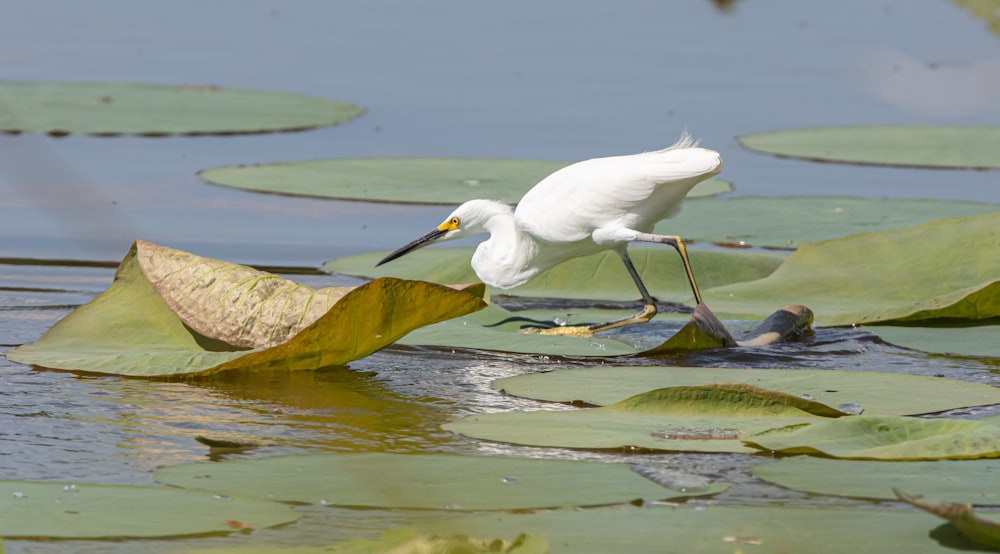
{"x": 633, "y": 191}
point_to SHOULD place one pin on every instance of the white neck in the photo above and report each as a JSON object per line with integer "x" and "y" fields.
{"x": 505, "y": 259}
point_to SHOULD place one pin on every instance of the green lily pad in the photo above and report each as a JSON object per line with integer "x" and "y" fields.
{"x": 89, "y": 511}
{"x": 979, "y": 529}
{"x": 716, "y": 529}
{"x": 938, "y": 481}
{"x": 916, "y": 274}
{"x": 964, "y": 147}
{"x": 403, "y": 180}
{"x": 600, "y": 276}
{"x": 60, "y": 108}
{"x": 889, "y": 438}
{"x": 408, "y": 540}
{"x": 960, "y": 340}
{"x": 424, "y": 481}
{"x": 878, "y": 393}
{"x": 130, "y": 329}
{"x": 794, "y": 221}
{"x": 701, "y": 418}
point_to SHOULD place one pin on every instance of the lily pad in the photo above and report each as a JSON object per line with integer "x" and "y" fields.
{"x": 597, "y": 277}
{"x": 979, "y": 529}
{"x": 130, "y": 330}
{"x": 955, "y": 340}
{"x": 403, "y": 180}
{"x": 938, "y": 481}
{"x": 963, "y": 147}
{"x": 61, "y": 108}
{"x": 424, "y": 481}
{"x": 793, "y": 221}
{"x": 715, "y": 529}
{"x": 89, "y": 511}
{"x": 408, "y": 540}
{"x": 701, "y": 418}
{"x": 917, "y": 274}
{"x": 889, "y": 438}
{"x": 878, "y": 393}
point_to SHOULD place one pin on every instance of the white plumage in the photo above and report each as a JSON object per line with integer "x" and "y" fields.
{"x": 588, "y": 207}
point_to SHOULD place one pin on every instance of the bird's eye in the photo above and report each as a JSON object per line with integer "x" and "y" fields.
{"x": 454, "y": 222}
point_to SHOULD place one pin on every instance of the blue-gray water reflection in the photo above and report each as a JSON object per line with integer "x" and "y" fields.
{"x": 552, "y": 80}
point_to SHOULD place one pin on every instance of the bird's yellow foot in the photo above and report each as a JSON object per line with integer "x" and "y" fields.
{"x": 581, "y": 331}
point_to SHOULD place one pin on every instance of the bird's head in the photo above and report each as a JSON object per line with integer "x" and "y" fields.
{"x": 471, "y": 218}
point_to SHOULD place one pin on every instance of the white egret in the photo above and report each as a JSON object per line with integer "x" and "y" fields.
{"x": 588, "y": 207}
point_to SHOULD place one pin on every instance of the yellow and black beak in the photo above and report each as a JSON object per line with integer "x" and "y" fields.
{"x": 438, "y": 232}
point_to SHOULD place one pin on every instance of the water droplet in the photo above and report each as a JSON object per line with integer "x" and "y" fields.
{"x": 808, "y": 397}
{"x": 324, "y": 502}
{"x": 221, "y": 496}
{"x": 560, "y": 321}
{"x": 452, "y": 506}
{"x": 851, "y": 408}
{"x": 510, "y": 480}
{"x": 471, "y": 182}
{"x": 71, "y": 488}
{"x": 20, "y": 494}
{"x": 598, "y": 346}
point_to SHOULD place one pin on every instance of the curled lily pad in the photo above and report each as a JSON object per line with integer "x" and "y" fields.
{"x": 980, "y": 529}
{"x": 89, "y": 511}
{"x": 61, "y": 108}
{"x": 700, "y": 418}
{"x": 424, "y": 481}
{"x": 889, "y": 438}
{"x": 131, "y": 330}
{"x": 964, "y": 147}
{"x": 403, "y": 180}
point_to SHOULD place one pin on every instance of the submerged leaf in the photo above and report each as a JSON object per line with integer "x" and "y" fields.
{"x": 424, "y": 481}
{"x": 403, "y": 180}
{"x": 703, "y": 418}
{"x": 889, "y": 438}
{"x": 940, "y": 481}
{"x": 966, "y": 147}
{"x": 90, "y": 511}
{"x": 407, "y": 540}
{"x": 979, "y": 529}
{"x": 61, "y": 108}
{"x": 130, "y": 330}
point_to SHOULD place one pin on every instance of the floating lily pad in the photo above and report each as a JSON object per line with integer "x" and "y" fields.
{"x": 597, "y": 277}
{"x": 130, "y": 330}
{"x": 408, "y": 540}
{"x": 88, "y": 511}
{"x": 794, "y": 221}
{"x": 701, "y": 418}
{"x": 403, "y": 180}
{"x": 878, "y": 393}
{"x": 938, "y": 481}
{"x": 716, "y": 529}
{"x": 963, "y": 147}
{"x": 960, "y": 340}
{"x": 917, "y": 274}
{"x": 424, "y": 481}
{"x": 980, "y": 529}
{"x": 61, "y": 108}
{"x": 889, "y": 438}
